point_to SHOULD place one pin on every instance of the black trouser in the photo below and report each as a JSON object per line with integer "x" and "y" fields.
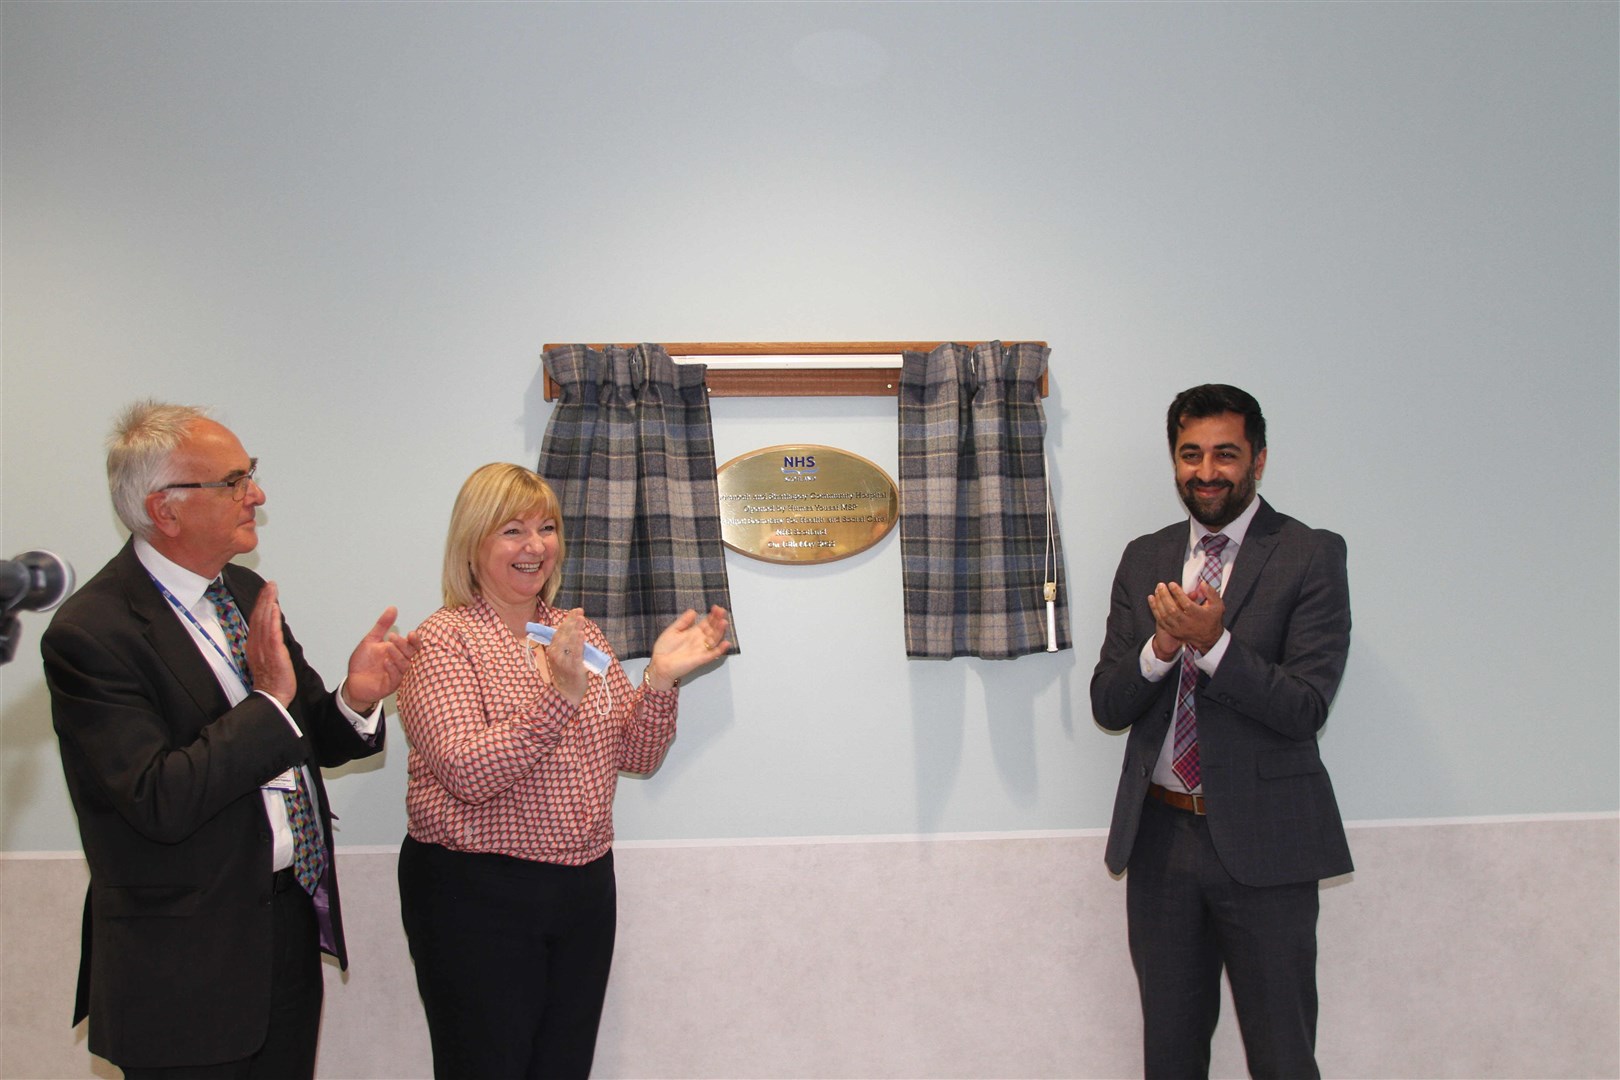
{"x": 296, "y": 990}
{"x": 511, "y": 957}
{"x": 1188, "y": 919}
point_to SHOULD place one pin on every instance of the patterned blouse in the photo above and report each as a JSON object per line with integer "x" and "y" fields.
{"x": 500, "y": 761}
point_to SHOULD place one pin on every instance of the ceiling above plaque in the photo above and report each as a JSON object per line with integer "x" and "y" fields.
{"x": 804, "y": 503}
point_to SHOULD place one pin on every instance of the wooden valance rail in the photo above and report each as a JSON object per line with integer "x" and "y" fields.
{"x": 797, "y": 368}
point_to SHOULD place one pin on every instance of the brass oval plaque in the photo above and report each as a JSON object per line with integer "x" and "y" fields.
{"x": 804, "y": 504}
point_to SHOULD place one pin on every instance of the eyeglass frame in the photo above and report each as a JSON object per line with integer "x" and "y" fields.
{"x": 238, "y": 486}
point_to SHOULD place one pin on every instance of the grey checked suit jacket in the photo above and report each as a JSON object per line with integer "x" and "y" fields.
{"x": 1271, "y": 811}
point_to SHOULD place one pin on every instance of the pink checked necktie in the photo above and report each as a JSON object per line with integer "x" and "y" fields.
{"x": 309, "y": 853}
{"x": 1185, "y": 759}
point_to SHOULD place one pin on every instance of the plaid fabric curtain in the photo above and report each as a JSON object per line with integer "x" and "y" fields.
{"x": 974, "y": 549}
{"x": 630, "y": 452}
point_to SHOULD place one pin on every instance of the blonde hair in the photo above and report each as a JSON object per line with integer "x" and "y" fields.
{"x": 140, "y": 452}
{"x": 493, "y": 495}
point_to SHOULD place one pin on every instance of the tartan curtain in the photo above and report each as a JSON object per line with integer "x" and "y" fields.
{"x": 630, "y": 452}
{"x": 973, "y": 503}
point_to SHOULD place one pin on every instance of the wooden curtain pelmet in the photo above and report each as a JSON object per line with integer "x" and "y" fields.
{"x": 796, "y": 373}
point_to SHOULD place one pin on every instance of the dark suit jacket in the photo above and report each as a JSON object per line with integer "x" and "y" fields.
{"x": 164, "y": 775}
{"x": 1270, "y": 805}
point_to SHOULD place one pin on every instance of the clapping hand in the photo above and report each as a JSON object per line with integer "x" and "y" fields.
{"x": 378, "y": 663}
{"x": 269, "y": 663}
{"x": 686, "y": 645}
{"x": 565, "y": 657}
{"x": 1182, "y": 618}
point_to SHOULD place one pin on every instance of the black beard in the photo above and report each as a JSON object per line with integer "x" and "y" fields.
{"x": 1227, "y": 510}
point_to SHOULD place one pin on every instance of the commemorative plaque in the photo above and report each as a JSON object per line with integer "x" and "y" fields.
{"x": 801, "y": 503}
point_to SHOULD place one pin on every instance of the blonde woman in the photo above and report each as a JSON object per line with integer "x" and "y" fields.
{"x": 506, "y": 875}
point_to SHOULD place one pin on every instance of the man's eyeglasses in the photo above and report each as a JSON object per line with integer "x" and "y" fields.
{"x": 238, "y": 484}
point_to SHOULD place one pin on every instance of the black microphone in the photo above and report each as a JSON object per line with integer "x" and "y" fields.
{"x": 34, "y": 581}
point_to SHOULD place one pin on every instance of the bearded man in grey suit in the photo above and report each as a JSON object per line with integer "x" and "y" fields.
{"x": 1222, "y": 657}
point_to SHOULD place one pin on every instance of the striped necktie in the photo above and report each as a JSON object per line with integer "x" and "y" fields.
{"x": 1184, "y": 760}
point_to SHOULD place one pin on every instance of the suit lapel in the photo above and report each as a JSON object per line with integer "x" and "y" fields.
{"x": 1171, "y": 558}
{"x": 1258, "y": 545}
{"x": 168, "y": 636}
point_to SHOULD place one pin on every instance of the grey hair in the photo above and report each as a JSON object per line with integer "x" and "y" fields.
{"x": 139, "y": 451}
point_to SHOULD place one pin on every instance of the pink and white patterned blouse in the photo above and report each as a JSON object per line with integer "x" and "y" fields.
{"x": 500, "y": 761}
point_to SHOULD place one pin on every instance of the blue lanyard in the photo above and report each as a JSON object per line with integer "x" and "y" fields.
{"x": 230, "y": 661}
{"x": 185, "y": 613}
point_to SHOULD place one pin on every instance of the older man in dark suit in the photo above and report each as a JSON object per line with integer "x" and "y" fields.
{"x": 191, "y": 740}
{"x": 1227, "y": 636}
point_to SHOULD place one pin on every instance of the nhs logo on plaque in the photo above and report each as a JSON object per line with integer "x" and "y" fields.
{"x": 797, "y": 468}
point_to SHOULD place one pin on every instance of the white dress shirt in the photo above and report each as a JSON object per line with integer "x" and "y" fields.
{"x": 1154, "y": 669}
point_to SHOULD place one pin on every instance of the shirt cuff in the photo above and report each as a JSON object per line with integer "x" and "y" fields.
{"x": 1154, "y": 669}
{"x": 365, "y": 725}
{"x": 1208, "y": 662}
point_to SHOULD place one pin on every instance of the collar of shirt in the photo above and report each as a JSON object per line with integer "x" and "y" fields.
{"x": 183, "y": 585}
{"x": 543, "y": 612}
{"x": 1234, "y": 531}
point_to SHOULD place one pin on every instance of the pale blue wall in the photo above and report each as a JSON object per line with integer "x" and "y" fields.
{"x": 351, "y": 227}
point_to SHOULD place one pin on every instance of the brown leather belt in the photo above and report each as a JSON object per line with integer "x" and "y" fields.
{"x": 1178, "y": 799}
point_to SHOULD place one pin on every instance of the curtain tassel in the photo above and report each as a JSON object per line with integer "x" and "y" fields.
{"x": 1049, "y": 564}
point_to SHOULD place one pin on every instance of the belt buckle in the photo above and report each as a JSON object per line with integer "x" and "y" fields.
{"x": 1197, "y": 802}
